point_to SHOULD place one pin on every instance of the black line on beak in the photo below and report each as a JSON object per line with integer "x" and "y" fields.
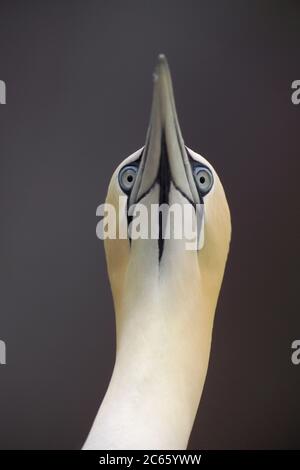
{"x": 164, "y": 181}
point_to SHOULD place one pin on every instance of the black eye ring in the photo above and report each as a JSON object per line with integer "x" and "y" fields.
{"x": 204, "y": 179}
{"x": 127, "y": 177}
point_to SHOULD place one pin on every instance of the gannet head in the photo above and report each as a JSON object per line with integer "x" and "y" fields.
{"x": 165, "y": 171}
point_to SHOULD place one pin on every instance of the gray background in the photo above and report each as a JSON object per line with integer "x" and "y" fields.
{"x": 79, "y": 88}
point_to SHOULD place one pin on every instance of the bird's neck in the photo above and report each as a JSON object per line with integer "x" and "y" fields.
{"x": 163, "y": 345}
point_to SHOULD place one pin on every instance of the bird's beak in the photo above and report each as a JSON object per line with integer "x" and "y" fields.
{"x": 164, "y": 159}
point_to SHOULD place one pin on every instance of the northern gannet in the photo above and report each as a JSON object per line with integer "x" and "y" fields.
{"x": 164, "y": 295}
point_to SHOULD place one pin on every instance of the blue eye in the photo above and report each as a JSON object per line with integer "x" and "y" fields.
{"x": 127, "y": 177}
{"x": 204, "y": 179}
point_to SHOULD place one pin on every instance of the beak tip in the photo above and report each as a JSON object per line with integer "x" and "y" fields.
{"x": 162, "y": 58}
{"x": 161, "y": 66}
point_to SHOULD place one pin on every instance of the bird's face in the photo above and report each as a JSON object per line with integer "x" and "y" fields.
{"x": 165, "y": 173}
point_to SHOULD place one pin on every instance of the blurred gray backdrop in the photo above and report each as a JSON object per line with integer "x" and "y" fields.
{"x": 79, "y": 84}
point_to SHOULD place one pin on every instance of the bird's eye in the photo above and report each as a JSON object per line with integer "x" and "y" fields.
{"x": 204, "y": 179}
{"x": 127, "y": 177}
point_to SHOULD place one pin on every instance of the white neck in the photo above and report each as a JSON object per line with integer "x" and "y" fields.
{"x": 163, "y": 346}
